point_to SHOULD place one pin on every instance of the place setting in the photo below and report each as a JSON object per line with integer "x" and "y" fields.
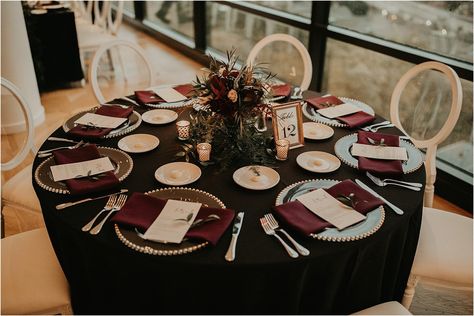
{"x": 105, "y": 121}
{"x": 83, "y": 170}
{"x": 166, "y": 97}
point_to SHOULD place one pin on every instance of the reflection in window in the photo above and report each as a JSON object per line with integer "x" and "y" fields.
{"x": 443, "y": 27}
{"x": 174, "y": 15}
{"x": 358, "y": 73}
{"x": 230, "y": 28}
{"x": 301, "y": 8}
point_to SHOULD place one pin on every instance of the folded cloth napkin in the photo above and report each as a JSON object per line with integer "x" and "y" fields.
{"x": 151, "y": 97}
{"x": 141, "y": 210}
{"x": 299, "y": 218}
{"x": 381, "y": 166}
{"x": 281, "y": 90}
{"x": 107, "y": 110}
{"x": 107, "y": 180}
{"x": 352, "y": 120}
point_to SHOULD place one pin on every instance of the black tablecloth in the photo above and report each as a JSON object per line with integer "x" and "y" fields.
{"x": 338, "y": 277}
{"x": 54, "y": 47}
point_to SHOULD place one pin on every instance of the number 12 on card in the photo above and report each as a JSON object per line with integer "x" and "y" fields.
{"x": 288, "y": 123}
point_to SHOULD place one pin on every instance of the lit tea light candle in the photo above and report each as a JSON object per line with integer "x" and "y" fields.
{"x": 204, "y": 151}
{"x": 282, "y": 146}
{"x": 183, "y": 129}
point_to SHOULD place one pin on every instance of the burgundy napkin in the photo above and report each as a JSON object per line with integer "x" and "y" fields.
{"x": 379, "y": 165}
{"x": 352, "y": 120}
{"x": 152, "y": 98}
{"x": 107, "y": 110}
{"x": 299, "y": 218}
{"x": 141, "y": 210}
{"x": 281, "y": 90}
{"x": 106, "y": 180}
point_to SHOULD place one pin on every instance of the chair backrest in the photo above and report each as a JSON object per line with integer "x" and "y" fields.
{"x": 307, "y": 64}
{"x": 93, "y": 68}
{"x": 100, "y": 15}
{"x": 432, "y": 143}
{"x": 114, "y": 25}
{"x": 29, "y": 141}
{"x": 83, "y": 11}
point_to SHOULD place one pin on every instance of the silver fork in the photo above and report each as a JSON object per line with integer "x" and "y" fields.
{"x": 375, "y": 129}
{"x": 108, "y": 206}
{"x": 47, "y": 151}
{"x": 367, "y": 128}
{"x": 383, "y": 182}
{"x": 118, "y": 205}
{"x": 271, "y": 232}
{"x": 272, "y": 222}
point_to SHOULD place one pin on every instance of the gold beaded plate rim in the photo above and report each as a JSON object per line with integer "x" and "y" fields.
{"x": 102, "y": 151}
{"x": 333, "y": 122}
{"x": 159, "y": 252}
{"x": 377, "y": 216}
{"x": 114, "y": 133}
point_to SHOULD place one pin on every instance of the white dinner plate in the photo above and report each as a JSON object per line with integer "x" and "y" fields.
{"x": 159, "y": 116}
{"x": 138, "y": 143}
{"x": 178, "y": 173}
{"x": 317, "y": 131}
{"x": 256, "y": 177}
{"x": 318, "y": 161}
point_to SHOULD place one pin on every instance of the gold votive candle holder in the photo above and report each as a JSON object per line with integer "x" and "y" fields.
{"x": 282, "y": 146}
{"x": 182, "y": 128}
{"x": 204, "y": 151}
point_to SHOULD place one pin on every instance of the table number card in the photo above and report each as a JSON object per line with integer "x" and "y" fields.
{"x": 81, "y": 169}
{"x": 379, "y": 152}
{"x": 288, "y": 123}
{"x": 331, "y": 210}
{"x": 169, "y": 94}
{"x": 98, "y": 120}
{"x": 173, "y": 222}
{"x": 338, "y": 110}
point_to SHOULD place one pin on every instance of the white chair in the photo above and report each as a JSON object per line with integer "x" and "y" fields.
{"x": 444, "y": 251}
{"x": 32, "y": 279}
{"x": 21, "y": 209}
{"x": 107, "y": 48}
{"x": 307, "y": 64}
{"x": 388, "y": 308}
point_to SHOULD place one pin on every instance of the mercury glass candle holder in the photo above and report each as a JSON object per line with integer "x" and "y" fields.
{"x": 204, "y": 151}
{"x": 282, "y": 146}
{"x": 182, "y": 128}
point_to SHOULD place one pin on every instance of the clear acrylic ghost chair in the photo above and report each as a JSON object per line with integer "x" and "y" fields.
{"x": 444, "y": 251}
{"x": 117, "y": 49}
{"x": 306, "y": 58}
{"x": 33, "y": 282}
{"x": 20, "y": 207}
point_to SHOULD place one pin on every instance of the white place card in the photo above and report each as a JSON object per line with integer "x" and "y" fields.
{"x": 173, "y": 222}
{"x": 338, "y": 110}
{"x": 81, "y": 169}
{"x": 169, "y": 94}
{"x": 330, "y": 209}
{"x": 98, "y": 120}
{"x": 379, "y": 152}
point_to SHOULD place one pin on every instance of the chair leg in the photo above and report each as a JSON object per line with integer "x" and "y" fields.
{"x": 410, "y": 291}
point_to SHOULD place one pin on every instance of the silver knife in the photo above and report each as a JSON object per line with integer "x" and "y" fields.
{"x": 68, "y": 204}
{"x": 396, "y": 209}
{"x": 230, "y": 255}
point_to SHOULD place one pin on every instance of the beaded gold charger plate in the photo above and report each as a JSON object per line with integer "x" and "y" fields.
{"x": 122, "y": 162}
{"x": 133, "y": 122}
{"x": 131, "y": 239}
{"x": 367, "y": 227}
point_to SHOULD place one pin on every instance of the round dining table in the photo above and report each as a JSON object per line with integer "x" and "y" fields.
{"x": 107, "y": 277}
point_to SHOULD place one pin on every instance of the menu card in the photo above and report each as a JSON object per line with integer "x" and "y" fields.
{"x": 330, "y": 209}
{"x": 379, "y": 152}
{"x": 169, "y": 94}
{"x": 81, "y": 169}
{"x": 97, "y": 120}
{"x": 338, "y": 110}
{"x": 173, "y": 222}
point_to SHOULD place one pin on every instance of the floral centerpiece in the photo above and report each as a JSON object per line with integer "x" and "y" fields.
{"x": 233, "y": 101}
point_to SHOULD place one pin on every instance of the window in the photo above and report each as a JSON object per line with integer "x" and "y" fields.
{"x": 176, "y": 16}
{"x": 300, "y": 8}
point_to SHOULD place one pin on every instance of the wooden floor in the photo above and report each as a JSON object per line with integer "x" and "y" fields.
{"x": 171, "y": 67}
